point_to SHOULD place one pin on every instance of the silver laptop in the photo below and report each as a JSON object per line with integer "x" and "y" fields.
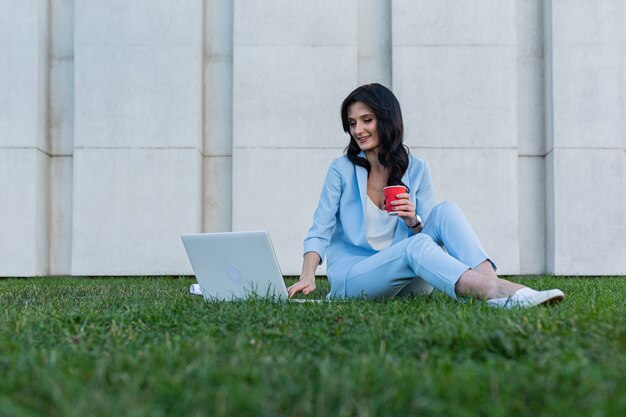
{"x": 235, "y": 265}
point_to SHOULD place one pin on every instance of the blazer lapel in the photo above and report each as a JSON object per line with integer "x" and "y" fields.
{"x": 401, "y": 228}
{"x": 361, "y": 176}
{"x": 361, "y": 179}
{"x": 405, "y": 178}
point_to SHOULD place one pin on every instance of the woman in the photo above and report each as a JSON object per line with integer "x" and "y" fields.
{"x": 371, "y": 253}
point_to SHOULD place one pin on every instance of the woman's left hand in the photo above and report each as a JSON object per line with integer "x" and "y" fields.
{"x": 405, "y": 209}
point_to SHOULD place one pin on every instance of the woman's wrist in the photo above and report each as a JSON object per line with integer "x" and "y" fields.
{"x": 418, "y": 222}
{"x": 307, "y": 276}
{"x": 309, "y": 266}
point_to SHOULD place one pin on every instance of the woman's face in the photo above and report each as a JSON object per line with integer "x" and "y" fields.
{"x": 363, "y": 126}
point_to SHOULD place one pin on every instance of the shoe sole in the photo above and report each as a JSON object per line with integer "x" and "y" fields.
{"x": 553, "y": 300}
{"x": 548, "y": 297}
{"x": 552, "y": 297}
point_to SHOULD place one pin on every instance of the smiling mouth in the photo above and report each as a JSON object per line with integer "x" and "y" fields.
{"x": 362, "y": 139}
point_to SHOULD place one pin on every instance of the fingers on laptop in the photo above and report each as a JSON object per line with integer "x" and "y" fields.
{"x": 305, "y": 287}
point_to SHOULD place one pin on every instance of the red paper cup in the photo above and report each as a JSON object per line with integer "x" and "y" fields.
{"x": 390, "y": 195}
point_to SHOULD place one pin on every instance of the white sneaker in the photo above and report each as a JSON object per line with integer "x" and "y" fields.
{"x": 527, "y": 297}
{"x": 194, "y": 289}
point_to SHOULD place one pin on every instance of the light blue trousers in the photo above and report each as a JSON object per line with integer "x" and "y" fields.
{"x": 417, "y": 264}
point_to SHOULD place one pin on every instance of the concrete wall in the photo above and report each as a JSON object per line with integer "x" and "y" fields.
{"x": 454, "y": 71}
{"x": 124, "y": 124}
{"x": 24, "y": 147}
{"x": 585, "y": 136}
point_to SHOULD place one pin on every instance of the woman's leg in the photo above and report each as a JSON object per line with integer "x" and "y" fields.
{"x": 486, "y": 268}
{"x": 387, "y": 272}
{"x": 448, "y": 226}
{"x": 474, "y": 284}
{"x": 465, "y": 270}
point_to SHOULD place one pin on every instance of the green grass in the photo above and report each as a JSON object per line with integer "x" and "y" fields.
{"x": 144, "y": 347}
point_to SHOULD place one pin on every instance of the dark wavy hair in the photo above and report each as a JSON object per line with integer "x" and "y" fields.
{"x": 392, "y": 153}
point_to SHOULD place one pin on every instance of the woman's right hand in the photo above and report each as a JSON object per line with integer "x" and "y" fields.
{"x": 306, "y": 284}
{"x": 307, "y": 278}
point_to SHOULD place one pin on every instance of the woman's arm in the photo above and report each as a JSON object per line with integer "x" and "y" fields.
{"x": 318, "y": 237}
{"x": 324, "y": 219}
{"x": 306, "y": 284}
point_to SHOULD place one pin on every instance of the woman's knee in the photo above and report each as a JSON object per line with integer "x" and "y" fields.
{"x": 446, "y": 207}
{"x": 444, "y": 210}
{"x": 417, "y": 246}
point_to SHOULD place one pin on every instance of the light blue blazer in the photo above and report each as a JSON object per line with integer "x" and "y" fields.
{"x": 338, "y": 230}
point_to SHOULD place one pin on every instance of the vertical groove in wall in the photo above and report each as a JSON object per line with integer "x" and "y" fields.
{"x": 374, "y": 42}
{"x": 217, "y": 149}
{"x": 47, "y": 132}
{"x": 548, "y": 84}
{"x": 203, "y": 165}
{"x": 60, "y": 134}
{"x": 42, "y": 245}
{"x": 623, "y": 38}
{"x": 549, "y": 137}
{"x": 531, "y": 135}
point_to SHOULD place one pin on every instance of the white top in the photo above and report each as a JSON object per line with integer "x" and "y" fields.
{"x": 379, "y": 226}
